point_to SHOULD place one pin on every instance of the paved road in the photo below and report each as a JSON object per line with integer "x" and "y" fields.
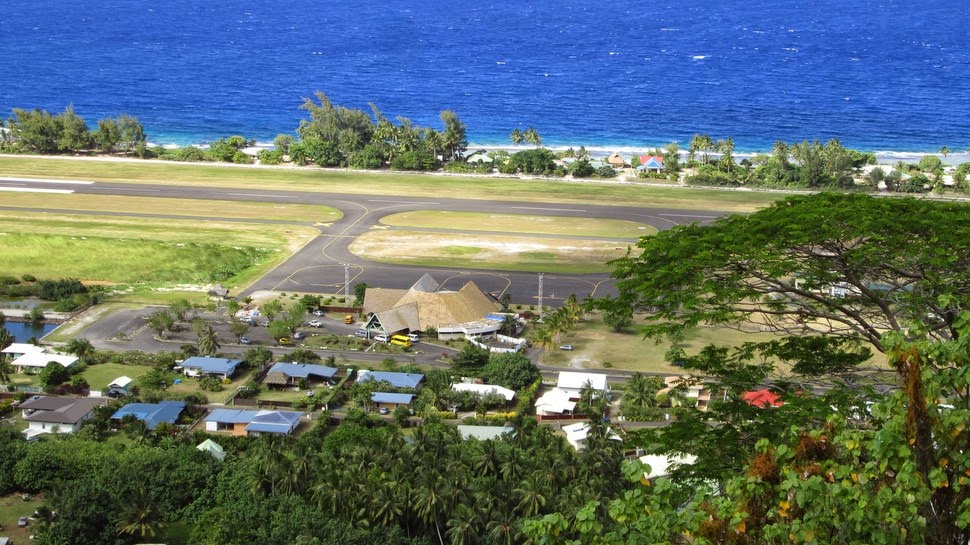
{"x": 320, "y": 266}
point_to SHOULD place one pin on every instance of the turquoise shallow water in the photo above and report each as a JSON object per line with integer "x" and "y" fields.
{"x": 879, "y": 74}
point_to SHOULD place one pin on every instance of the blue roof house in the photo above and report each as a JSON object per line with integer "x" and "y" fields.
{"x": 152, "y": 414}
{"x": 384, "y": 400}
{"x": 397, "y": 380}
{"x": 207, "y": 366}
{"x": 249, "y": 422}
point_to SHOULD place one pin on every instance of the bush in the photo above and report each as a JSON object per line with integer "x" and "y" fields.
{"x": 210, "y": 384}
{"x": 189, "y": 154}
{"x": 414, "y": 160}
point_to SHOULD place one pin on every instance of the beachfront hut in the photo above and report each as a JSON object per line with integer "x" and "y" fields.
{"x": 615, "y": 160}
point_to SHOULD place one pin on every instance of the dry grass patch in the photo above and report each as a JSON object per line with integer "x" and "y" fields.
{"x": 470, "y": 251}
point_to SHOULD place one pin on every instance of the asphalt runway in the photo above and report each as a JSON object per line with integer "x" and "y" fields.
{"x": 324, "y": 263}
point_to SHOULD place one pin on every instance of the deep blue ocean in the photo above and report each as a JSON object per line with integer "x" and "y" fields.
{"x": 878, "y": 74}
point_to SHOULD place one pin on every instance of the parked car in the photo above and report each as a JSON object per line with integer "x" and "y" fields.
{"x": 318, "y": 312}
{"x": 299, "y": 335}
{"x": 22, "y": 522}
{"x": 264, "y": 323}
{"x": 362, "y": 333}
{"x": 566, "y": 347}
{"x": 381, "y": 338}
{"x": 285, "y": 341}
{"x": 244, "y": 339}
{"x": 315, "y": 323}
{"x": 414, "y": 337}
{"x": 384, "y": 410}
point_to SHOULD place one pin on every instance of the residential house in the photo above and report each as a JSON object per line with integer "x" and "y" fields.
{"x": 692, "y": 388}
{"x": 480, "y": 156}
{"x": 554, "y": 403}
{"x": 16, "y": 350}
{"x": 152, "y": 414}
{"x": 391, "y": 401}
{"x": 198, "y": 366}
{"x": 660, "y": 465}
{"x": 651, "y": 163}
{"x": 396, "y": 380}
{"x": 578, "y": 433}
{"x": 573, "y": 383}
{"x": 762, "y": 399}
{"x": 33, "y": 359}
{"x": 484, "y": 389}
{"x": 484, "y": 433}
{"x": 286, "y": 375}
{"x": 252, "y": 422}
{"x": 49, "y": 414}
{"x": 561, "y": 400}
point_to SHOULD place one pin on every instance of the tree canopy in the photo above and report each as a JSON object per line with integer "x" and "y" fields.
{"x": 843, "y": 264}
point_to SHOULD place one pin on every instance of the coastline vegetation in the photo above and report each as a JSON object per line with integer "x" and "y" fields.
{"x": 338, "y": 137}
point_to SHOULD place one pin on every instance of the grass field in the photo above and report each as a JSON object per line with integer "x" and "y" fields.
{"x": 520, "y": 223}
{"x": 132, "y": 250}
{"x": 385, "y": 183}
{"x": 594, "y": 343}
{"x": 492, "y": 252}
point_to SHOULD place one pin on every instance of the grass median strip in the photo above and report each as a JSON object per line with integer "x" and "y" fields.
{"x": 504, "y": 253}
{"x": 173, "y": 207}
{"x": 519, "y": 223}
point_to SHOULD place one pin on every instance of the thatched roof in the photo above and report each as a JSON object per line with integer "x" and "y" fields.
{"x": 421, "y": 307}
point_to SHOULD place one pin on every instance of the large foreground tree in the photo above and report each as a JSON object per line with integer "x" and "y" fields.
{"x": 843, "y": 264}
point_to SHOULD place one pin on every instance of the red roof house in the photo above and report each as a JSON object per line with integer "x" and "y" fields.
{"x": 762, "y": 398}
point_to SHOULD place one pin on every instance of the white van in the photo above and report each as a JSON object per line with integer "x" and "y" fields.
{"x": 381, "y": 338}
{"x": 414, "y": 337}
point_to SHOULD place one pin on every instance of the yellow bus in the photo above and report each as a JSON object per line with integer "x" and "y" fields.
{"x": 401, "y": 340}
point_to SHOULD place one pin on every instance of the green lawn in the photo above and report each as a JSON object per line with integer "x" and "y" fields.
{"x": 594, "y": 343}
{"x": 519, "y": 223}
{"x": 493, "y": 252}
{"x": 99, "y": 376}
{"x": 12, "y": 507}
{"x": 133, "y": 250}
{"x": 387, "y": 183}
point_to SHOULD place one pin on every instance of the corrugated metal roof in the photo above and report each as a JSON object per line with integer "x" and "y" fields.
{"x": 211, "y": 365}
{"x": 386, "y": 397}
{"x": 397, "y": 380}
{"x": 152, "y": 414}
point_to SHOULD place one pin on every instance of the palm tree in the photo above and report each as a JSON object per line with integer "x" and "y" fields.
{"x": 463, "y": 525}
{"x": 82, "y": 348}
{"x": 726, "y": 148}
{"x": 433, "y": 141}
{"x": 6, "y": 338}
{"x": 516, "y": 137}
{"x": 944, "y": 151}
{"x": 430, "y": 500}
{"x": 140, "y": 517}
{"x": 530, "y": 496}
{"x": 509, "y": 325}
{"x": 208, "y": 340}
{"x": 161, "y": 321}
{"x": 531, "y": 135}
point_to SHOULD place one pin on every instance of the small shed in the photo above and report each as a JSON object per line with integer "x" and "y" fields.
{"x": 119, "y": 387}
{"x": 214, "y": 449}
{"x": 615, "y": 160}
